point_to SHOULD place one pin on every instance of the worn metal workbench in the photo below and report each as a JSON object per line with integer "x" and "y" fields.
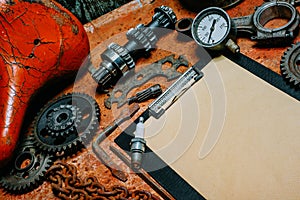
{"x": 112, "y": 27}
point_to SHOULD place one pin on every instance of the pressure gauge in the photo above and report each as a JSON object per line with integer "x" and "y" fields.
{"x": 212, "y": 29}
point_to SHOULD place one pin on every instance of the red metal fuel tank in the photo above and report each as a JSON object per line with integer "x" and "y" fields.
{"x": 39, "y": 41}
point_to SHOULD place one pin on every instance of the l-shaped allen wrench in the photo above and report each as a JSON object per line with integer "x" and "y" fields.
{"x": 115, "y": 169}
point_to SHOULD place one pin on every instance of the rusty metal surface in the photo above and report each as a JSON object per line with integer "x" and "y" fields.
{"x": 112, "y": 27}
{"x": 66, "y": 183}
{"x": 142, "y": 76}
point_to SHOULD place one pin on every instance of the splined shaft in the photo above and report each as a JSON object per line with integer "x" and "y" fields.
{"x": 117, "y": 59}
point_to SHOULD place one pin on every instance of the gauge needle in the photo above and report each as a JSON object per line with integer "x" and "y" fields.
{"x": 212, "y": 28}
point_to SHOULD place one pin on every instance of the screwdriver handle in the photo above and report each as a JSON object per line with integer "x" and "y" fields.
{"x": 149, "y": 93}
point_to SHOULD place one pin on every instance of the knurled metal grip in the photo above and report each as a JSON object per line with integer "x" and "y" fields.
{"x": 117, "y": 59}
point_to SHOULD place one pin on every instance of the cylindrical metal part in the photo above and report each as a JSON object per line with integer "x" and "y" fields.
{"x": 184, "y": 26}
{"x": 137, "y": 150}
{"x": 117, "y": 59}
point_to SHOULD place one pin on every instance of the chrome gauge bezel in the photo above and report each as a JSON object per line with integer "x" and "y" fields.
{"x": 202, "y": 16}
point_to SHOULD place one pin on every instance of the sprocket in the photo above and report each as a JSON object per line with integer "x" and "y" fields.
{"x": 63, "y": 120}
{"x": 87, "y": 121}
{"x": 143, "y": 36}
{"x": 124, "y": 54}
{"x": 27, "y": 170}
{"x": 290, "y": 64}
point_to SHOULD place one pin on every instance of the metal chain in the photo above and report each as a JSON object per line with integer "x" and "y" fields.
{"x": 67, "y": 185}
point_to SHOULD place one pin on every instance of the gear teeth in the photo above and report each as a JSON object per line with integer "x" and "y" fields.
{"x": 143, "y": 36}
{"x": 67, "y": 124}
{"x": 166, "y": 16}
{"x": 124, "y": 54}
{"x": 289, "y": 66}
{"x": 14, "y": 181}
{"x": 71, "y": 141}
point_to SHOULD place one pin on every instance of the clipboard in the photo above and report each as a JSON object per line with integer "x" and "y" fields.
{"x": 235, "y": 140}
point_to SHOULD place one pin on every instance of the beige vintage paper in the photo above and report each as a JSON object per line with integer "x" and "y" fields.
{"x": 234, "y": 137}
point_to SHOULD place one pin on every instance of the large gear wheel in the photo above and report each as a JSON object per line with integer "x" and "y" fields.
{"x": 72, "y": 117}
{"x": 290, "y": 64}
{"x": 28, "y": 168}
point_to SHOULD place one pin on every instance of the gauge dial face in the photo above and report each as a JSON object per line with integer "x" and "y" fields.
{"x": 211, "y": 27}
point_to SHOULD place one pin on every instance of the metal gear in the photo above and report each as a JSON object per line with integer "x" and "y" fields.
{"x": 290, "y": 64}
{"x": 143, "y": 36}
{"x": 116, "y": 60}
{"x": 124, "y": 54}
{"x": 63, "y": 120}
{"x": 165, "y": 16}
{"x": 87, "y": 120}
{"x": 27, "y": 170}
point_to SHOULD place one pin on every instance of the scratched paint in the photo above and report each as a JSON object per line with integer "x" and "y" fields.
{"x": 38, "y": 42}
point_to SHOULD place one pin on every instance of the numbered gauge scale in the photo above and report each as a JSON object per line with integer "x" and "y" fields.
{"x": 213, "y": 29}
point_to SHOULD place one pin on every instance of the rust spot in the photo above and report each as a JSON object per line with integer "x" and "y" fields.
{"x": 25, "y": 163}
{"x": 59, "y": 20}
{"x": 75, "y": 29}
